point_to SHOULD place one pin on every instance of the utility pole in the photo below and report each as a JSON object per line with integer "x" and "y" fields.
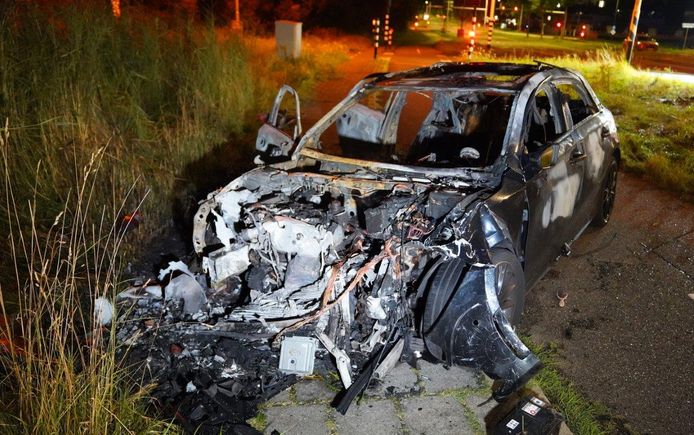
{"x": 236, "y": 24}
{"x": 633, "y": 29}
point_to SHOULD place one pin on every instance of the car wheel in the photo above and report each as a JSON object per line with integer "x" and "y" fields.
{"x": 607, "y": 197}
{"x": 510, "y": 283}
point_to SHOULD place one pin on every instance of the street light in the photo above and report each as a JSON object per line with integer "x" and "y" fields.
{"x": 614, "y": 21}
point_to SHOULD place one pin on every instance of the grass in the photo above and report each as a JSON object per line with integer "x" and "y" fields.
{"x": 59, "y": 371}
{"x": 158, "y": 95}
{"x": 583, "y": 417}
{"x": 102, "y": 117}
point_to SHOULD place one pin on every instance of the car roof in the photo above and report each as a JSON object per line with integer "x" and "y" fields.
{"x": 459, "y": 75}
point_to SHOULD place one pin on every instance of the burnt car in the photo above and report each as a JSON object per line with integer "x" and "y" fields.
{"x": 414, "y": 215}
{"x": 408, "y": 222}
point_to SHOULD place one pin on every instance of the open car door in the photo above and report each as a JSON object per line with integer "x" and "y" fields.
{"x": 282, "y": 128}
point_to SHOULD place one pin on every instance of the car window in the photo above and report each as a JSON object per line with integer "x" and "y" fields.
{"x": 545, "y": 124}
{"x": 579, "y": 108}
{"x": 444, "y": 128}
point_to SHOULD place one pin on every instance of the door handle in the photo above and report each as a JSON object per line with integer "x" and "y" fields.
{"x": 578, "y": 154}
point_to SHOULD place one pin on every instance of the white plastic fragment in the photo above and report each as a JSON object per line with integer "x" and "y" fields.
{"x": 222, "y": 264}
{"x": 172, "y": 267}
{"x": 374, "y": 309}
{"x": 187, "y": 288}
{"x": 103, "y": 311}
{"x": 223, "y": 232}
{"x": 297, "y": 355}
{"x": 231, "y": 202}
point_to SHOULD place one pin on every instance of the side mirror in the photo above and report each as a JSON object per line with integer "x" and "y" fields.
{"x": 549, "y": 156}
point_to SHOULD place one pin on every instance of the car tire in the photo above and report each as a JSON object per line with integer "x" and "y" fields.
{"x": 607, "y": 197}
{"x": 510, "y": 283}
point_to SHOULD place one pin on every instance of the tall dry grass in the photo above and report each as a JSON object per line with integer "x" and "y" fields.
{"x": 104, "y": 117}
{"x": 59, "y": 368}
{"x": 164, "y": 93}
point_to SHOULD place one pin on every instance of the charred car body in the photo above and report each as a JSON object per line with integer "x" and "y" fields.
{"x": 410, "y": 219}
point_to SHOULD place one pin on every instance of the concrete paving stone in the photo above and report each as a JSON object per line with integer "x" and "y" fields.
{"x": 297, "y": 420}
{"x": 437, "y": 378}
{"x": 435, "y": 415}
{"x": 370, "y": 417}
{"x": 401, "y": 379}
{"x": 314, "y": 389}
{"x": 473, "y": 403}
{"x": 282, "y": 397}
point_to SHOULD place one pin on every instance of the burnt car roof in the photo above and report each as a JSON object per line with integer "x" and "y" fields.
{"x": 509, "y": 76}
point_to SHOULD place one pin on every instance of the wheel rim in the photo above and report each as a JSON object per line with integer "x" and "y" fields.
{"x": 609, "y": 194}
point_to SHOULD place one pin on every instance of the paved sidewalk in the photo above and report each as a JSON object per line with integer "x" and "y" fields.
{"x": 431, "y": 400}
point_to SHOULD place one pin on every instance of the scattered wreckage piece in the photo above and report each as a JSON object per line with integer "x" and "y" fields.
{"x": 411, "y": 218}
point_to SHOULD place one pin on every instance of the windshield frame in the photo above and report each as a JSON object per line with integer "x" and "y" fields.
{"x": 306, "y": 150}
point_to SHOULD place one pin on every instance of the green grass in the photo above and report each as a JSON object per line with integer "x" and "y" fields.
{"x": 157, "y": 95}
{"x": 583, "y": 417}
{"x": 511, "y": 40}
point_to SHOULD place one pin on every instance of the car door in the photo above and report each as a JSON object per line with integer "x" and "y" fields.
{"x": 282, "y": 128}
{"x": 589, "y": 154}
{"x": 553, "y": 180}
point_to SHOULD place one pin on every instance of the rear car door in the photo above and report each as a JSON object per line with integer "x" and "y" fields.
{"x": 588, "y": 154}
{"x": 553, "y": 186}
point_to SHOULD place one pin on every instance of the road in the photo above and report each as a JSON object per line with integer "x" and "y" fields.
{"x": 626, "y": 335}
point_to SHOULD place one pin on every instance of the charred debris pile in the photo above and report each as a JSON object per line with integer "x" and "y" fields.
{"x": 296, "y": 273}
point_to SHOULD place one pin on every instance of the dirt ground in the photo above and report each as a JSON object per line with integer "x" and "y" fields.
{"x": 626, "y": 334}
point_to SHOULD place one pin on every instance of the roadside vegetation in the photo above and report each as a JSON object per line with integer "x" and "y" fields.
{"x": 653, "y": 114}
{"x": 583, "y": 416}
{"x": 100, "y": 118}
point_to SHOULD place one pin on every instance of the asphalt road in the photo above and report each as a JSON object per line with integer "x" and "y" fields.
{"x": 626, "y": 335}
